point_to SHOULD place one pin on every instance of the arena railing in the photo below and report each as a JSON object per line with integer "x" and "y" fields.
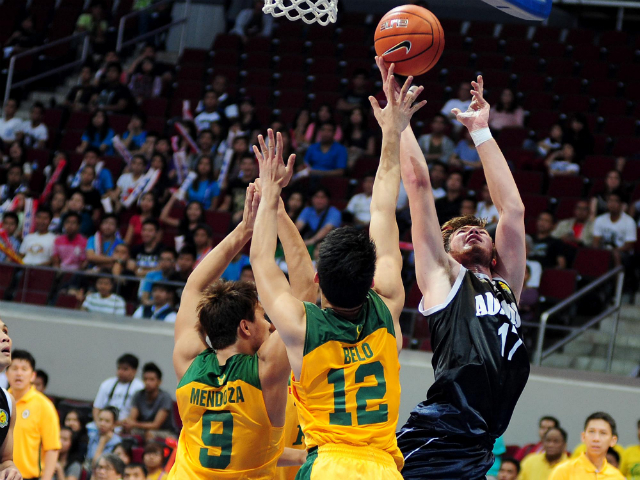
{"x": 72, "y": 39}
{"x": 121, "y": 43}
{"x": 619, "y": 4}
{"x": 575, "y": 332}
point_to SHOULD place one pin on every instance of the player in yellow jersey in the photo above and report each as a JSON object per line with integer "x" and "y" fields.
{"x": 295, "y": 452}
{"x": 232, "y": 396}
{"x": 344, "y": 356}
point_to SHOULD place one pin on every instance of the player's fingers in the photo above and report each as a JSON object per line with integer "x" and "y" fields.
{"x": 413, "y": 94}
{"x": 456, "y": 111}
{"x": 263, "y": 146}
{"x": 390, "y": 84}
{"x": 272, "y": 140}
{"x": 375, "y": 105}
{"x": 418, "y": 106}
{"x": 405, "y": 88}
{"x": 278, "y": 145}
{"x": 258, "y": 154}
{"x": 291, "y": 163}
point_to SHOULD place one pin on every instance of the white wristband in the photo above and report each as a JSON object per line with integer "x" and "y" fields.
{"x": 481, "y": 136}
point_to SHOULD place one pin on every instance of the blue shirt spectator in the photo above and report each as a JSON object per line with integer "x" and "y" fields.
{"x": 104, "y": 182}
{"x": 466, "y": 154}
{"x": 137, "y": 140}
{"x": 316, "y": 221}
{"x": 233, "y": 271}
{"x": 326, "y": 155}
{"x": 313, "y": 218}
{"x": 205, "y": 193}
{"x": 97, "y": 141}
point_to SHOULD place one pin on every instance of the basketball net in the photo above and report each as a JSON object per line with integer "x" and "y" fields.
{"x": 309, "y": 11}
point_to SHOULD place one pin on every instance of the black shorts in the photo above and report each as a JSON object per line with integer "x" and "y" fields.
{"x": 442, "y": 457}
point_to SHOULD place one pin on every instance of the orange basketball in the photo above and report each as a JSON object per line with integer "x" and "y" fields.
{"x": 412, "y": 38}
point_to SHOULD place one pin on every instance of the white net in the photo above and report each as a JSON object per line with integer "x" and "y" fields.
{"x": 309, "y": 11}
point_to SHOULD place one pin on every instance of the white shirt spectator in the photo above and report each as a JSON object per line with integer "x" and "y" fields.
{"x": 8, "y": 129}
{"x": 536, "y": 272}
{"x": 204, "y": 120}
{"x": 37, "y": 249}
{"x": 490, "y": 212}
{"x": 112, "y": 393}
{"x": 455, "y": 103}
{"x": 615, "y": 234}
{"x": 170, "y": 317}
{"x": 360, "y": 207}
{"x": 438, "y": 193}
{"x": 32, "y": 135}
{"x": 113, "y": 304}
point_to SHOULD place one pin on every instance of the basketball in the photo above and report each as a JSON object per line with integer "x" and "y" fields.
{"x": 412, "y": 38}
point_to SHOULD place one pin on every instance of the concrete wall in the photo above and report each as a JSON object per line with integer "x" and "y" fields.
{"x": 79, "y": 350}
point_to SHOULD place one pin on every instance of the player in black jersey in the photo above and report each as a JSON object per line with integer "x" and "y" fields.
{"x": 471, "y": 289}
{"x": 8, "y": 470}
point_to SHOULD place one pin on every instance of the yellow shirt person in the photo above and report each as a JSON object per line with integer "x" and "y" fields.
{"x": 580, "y": 449}
{"x": 537, "y": 467}
{"x": 581, "y": 468}
{"x": 630, "y": 463}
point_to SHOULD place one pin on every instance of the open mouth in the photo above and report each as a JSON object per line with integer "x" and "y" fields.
{"x": 6, "y": 350}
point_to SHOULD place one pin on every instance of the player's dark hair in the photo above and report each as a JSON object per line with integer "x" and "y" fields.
{"x": 603, "y": 416}
{"x": 13, "y": 215}
{"x": 455, "y": 224}
{"x": 115, "y": 461}
{"x": 133, "y": 466}
{"x": 512, "y": 461}
{"x": 556, "y": 422}
{"x": 152, "y": 368}
{"x": 128, "y": 359}
{"x": 346, "y": 266}
{"x": 614, "y": 454}
{"x": 24, "y": 355}
{"x": 223, "y": 306}
{"x": 44, "y": 376}
{"x": 562, "y": 431}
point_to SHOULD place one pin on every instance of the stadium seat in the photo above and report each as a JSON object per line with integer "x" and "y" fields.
{"x": 225, "y": 58}
{"x": 584, "y": 52}
{"x": 594, "y": 70}
{"x": 364, "y": 165}
{"x": 258, "y": 44}
{"x": 580, "y": 36}
{"x": 227, "y": 42}
{"x": 194, "y": 55}
{"x": 566, "y": 207}
{"x": 620, "y": 126}
{"x": 420, "y": 327}
{"x": 557, "y": 284}
{"x": 592, "y": 262}
{"x": 521, "y": 48}
{"x": 476, "y": 180}
{"x": 488, "y": 45}
{"x": 66, "y": 301}
{"x": 534, "y": 205}
{"x": 154, "y": 107}
{"x": 189, "y": 71}
{"x": 626, "y": 146}
{"x": 559, "y": 66}
{"x": 609, "y": 107}
{"x": 528, "y": 182}
{"x": 413, "y": 297}
{"x": 537, "y": 100}
{"x": 597, "y": 166}
{"x": 631, "y": 172}
{"x": 34, "y": 298}
{"x": 613, "y": 38}
{"x": 575, "y": 103}
{"x": 338, "y": 186}
{"x": 542, "y": 119}
{"x": 566, "y": 85}
{"x": 550, "y": 49}
{"x": 566, "y": 186}
{"x": 323, "y": 65}
{"x": 218, "y": 221}
{"x": 546, "y": 33}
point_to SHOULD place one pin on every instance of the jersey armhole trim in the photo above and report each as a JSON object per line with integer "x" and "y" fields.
{"x": 450, "y": 296}
{"x": 9, "y": 401}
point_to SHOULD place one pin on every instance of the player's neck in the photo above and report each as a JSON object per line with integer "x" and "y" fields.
{"x": 596, "y": 460}
{"x": 479, "y": 269}
{"x": 226, "y": 353}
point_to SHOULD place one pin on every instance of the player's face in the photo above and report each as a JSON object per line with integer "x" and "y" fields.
{"x": 507, "y": 472}
{"x": 5, "y": 346}
{"x": 133, "y": 473}
{"x": 261, "y": 328}
{"x": 554, "y": 443}
{"x": 471, "y": 245}
{"x": 598, "y": 437}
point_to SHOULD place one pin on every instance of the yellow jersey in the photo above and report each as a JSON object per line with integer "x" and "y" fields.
{"x": 349, "y": 388}
{"x": 226, "y": 432}
{"x": 630, "y": 463}
{"x": 535, "y": 466}
{"x": 582, "y": 469}
{"x": 293, "y": 436}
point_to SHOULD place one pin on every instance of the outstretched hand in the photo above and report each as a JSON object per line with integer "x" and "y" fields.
{"x": 477, "y": 115}
{"x": 251, "y": 202}
{"x": 384, "y": 73}
{"x": 399, "y": 110}
{"x": 273, "y": 171}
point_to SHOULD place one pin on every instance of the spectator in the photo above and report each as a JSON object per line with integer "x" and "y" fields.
{"x": 167, "y": 267}
{"x": 239, "y": 148}
{"x": 549, "y": 144}
{"x": 112, "y": 96}
{"x": 576, "y": 231}
{"x": 210, "y": 112}
{"x": 69, "y": 250}
{"x": 193, "y": 216}
{"x": 147, "y": 209}
{"x": 547, "y": 250}
{"x": 128, "y": 181}
{"x": 104, "y": 300}
{"x": 360, "y": 204}
{"x": 76, "y": 204}
{"x": 90, "y": 194}
{"x": 465, "y": 154}
{"x": 327, "y": 158}
{"x": 103, "y": 439}
{"x": 10, "y": 124}
{"x": 94, "y": 22}
{"x": 300, "y": 124}
{"x": 436, "y": 146}
{"x": 136, "y": 135}
{"x": 147, "y": 253}
{"x": 448, "y": 206}
{"x": 234, "y": 269}
{"x": 108, "y": 467}
{"x": 135, "y": 471}
{"x": 119, "y": 391}
{"x": 249, "y": 124}
{"x": 37, "y": 247}
{"x": 631, "y": 458}
{"x": 24, "y": 38}
{"x": 535, "y": 269}
{"x": 358, "y": 139}
{"x": 110, "y": 57}
{"x": 468, "y": 207}
{"x": 145, "y": 83}
{"x": 562, "y": 162}
{"x": 317, "y": 220}
{"x": 69, "y": 466}
{"x": 208, "y": 141}
{"x": 37, "y": 428}
{"x": 17, "y": 155}
{"x": 529, "y": 297}
{"x": 202, "y": 241}
{"x": 79, "y": 97}
{"x": 538, "y": 466}
{"x": 104, "y": 180}
{"x": 160, "y": 305}
{"x": 41, "y": 381}
{"x": 226, "y": 103}
{"x": 161, "y": 69}
{"x": 34, "y": 131}
{"x": 251, "y": 22}
{"x": 57, "y": 205}
{"x": 579, "y": 136}
{"x": 246, "y": 274}
{"x": 486, "y": 208}
{"x": 184, "y": 265}
{"x": 98, "y": 134}
{"x": 544, "y": 424}
{"x": 295, "y": 205}
{"x": 506, "y": 112}
{"x": 499, "y": 448}
{"x": 204, "y": 188}
{"x": 613, "y": 458}
{"x": 125, "y": 452}
{"x": 509, "y": 469}
{"x": 152, "y": 408}
{"x": 615, "y": 230}
{"x": 323, "y": 115}
{"x": 598, "y": 203}
{"x": 599, "y": 434}
{"x": 235, "y": 192}
{"x": 10, "y": 226}
{"x": 124, "y": 265}
{"x": 462, "y": 102}
{"x": 358, "y": 94}
{"x": 74, "y": 422}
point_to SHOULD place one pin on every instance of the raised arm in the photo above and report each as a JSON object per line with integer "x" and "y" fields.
{"x": 285, "y": 311}
{"x": 188, "y": 343}
{"x": 383, "y": 229}
{"x": 509, "y": 242}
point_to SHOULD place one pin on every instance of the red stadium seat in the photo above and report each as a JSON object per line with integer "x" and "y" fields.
{"x": 292, "y": 81}
{"x": 626, "y": 146}
{"x": 477, "y": 29}
{"x": 194, "y": 55}
{"x": 190, "y": 71}
{"x": 364, "y": 165}
{"x": 621, "y": 55}
{"x": 513, "y": 31}
{"x": 566, "y": 207}
{"x": 580, "y": 36}
{"x": 476, "y": 180}
{"x": 528, "y": 182}
{"x": 584, "y": 52}
{"x": 421, "y": 327}
{"x": 218, "y": 221}
{"x": 426, "y": 345}
{"x": 78, "y": 120}
{"x": 489, "y": 61}
{"x": 548, "y": 49}
{"x": 546, "y": 33}
{"x": 486, "y": 45}
{"x": 631, "y": 172}
{"x": 567, "y": 85}
{"x": 575, "y": 103}
{"x": 520, "y": 47}
{"x": 609, "y": 107}
{"x": 226, "y": 58}
{"x": 595, "y": 70}
{"x": 323, "y": 65}
{"x": 258, "y": 44}
{"x": 338, "y": 186}
{"x": 543, "y": 119}
{"x": 597, "y": 166}
{"x": 6, "y": 274}
{"x": 34, "y": 298}
{"x": 413, "y": 298}
{"x": 534, "y": 205}
{"x": 566, "y": 186}
{"x": 229, "y": 42}
{"x": 289, "y": 45}
{"x": 538, "y": 101}
{"x": 512, "y": 137}
{"x": 559, "y": 66}
{"x": 327, "y": 48}
{"x": 556, "y": 284}
{"x": 620, "y": 126}
{"x": 592, "y": 262}
{"x": 66, "y": 301}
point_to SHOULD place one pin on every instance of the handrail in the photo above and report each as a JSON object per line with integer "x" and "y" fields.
{"x": 120, "y": 44}
{"x": 615, "y": 309}
{"x": 12, "y": 64}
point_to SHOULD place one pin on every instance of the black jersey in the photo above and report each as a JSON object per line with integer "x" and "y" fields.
{"x": 5, "y": 414}
{"x": 481, "y": 367}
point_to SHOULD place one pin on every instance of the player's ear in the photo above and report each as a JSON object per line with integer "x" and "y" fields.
{"x": 614, "y": 441}
{"x": 373, "y": 283}
{"x": 243, "y": 328}
{"x": 316, "y": 279}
